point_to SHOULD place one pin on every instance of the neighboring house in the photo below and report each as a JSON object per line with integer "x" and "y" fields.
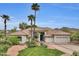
{"x": 45, "y": 34}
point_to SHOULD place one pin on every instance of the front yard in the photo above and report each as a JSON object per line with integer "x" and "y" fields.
{"x": 5, "y": 44}
{"x": 40, "y": 51}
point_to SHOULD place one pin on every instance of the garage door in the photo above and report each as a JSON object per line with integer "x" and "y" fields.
{"x": 61, "y": 39}
{"x": 49, "y": 39}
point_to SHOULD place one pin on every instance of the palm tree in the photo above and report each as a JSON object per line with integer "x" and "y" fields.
{"x": 31, "y": 18}
{"x": 35, "y": 7}
{"x": 5, "y": 18}
{"x": 23, "y": 26}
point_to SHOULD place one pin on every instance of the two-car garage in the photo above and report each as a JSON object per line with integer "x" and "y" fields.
{"x": 58, "y": 37}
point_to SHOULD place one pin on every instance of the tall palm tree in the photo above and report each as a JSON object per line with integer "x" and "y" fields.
{"x": 31, "y": 18}
{"x": 35, "y": 7}
{"x": 5, "y": 18}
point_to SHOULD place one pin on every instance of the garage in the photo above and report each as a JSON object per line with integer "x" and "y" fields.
{"x": 61, "y": 39}
{"x": 57, "y": 36}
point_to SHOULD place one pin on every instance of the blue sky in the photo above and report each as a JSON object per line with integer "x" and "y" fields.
{"x": 49, "y": 15}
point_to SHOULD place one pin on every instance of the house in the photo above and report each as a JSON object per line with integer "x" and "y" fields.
{"x": 44, "y": 34}
{"x": 23, "y": 35}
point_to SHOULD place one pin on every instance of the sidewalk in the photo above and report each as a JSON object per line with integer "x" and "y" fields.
{"x": 13, "y": 51}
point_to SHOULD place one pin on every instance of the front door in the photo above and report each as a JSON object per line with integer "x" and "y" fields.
{"x": 41, "y": 36}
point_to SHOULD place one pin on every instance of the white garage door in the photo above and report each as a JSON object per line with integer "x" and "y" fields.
{"x": 61, "y": 39}
{"x": 49, "y": 39}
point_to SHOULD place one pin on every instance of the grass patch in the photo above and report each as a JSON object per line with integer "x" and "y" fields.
{"x": 39, "y": 51}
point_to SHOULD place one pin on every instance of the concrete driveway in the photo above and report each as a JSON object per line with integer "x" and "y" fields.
{"x": 71, "y": 47}
{"x": 66, "y": 48}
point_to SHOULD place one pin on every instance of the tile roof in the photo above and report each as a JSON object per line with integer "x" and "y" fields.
{"x": 56, "y": 32}
{"x": 19, "y": 33}
{"x": 48, "y": 31}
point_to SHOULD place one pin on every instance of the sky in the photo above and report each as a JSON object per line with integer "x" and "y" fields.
{"x": 53, "y": 15}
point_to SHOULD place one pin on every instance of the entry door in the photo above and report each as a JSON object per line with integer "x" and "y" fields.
{"x": 42, "y": 36}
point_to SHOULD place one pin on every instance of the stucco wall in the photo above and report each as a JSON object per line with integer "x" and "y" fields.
{"x": 38, "y": 37}
{"x": 49, "y": 39}
{"x": 23, "y": 39}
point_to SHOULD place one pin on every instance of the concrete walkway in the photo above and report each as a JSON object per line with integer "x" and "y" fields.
{"x": 67, "y": 51}
{"x": 13, "y": 51}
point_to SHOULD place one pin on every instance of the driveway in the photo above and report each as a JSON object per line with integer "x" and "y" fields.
{"x": 67, "y": 48}
{"x": 71, "y": 47}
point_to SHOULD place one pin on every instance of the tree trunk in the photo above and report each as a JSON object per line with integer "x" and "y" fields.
{"x": 34, "y": 23}
{"x": 5, "y": 28}
{"x": 31, "y": 31}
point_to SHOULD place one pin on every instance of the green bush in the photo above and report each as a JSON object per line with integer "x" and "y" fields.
{"x": 75, "y": 36}
{"x": 4, "y": 47}
{"x": 31, "y": 44}
{"x": 43, "y": 45}
{"x": 14, "y": 40}
{"x": 5, "y": 42}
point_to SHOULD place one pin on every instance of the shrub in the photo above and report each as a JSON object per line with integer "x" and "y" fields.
{"x": 75, "y": 53}
{"x": 4, "y": 47}
{"x": 75, "y": 36}
{"x": 31, "y": 44}
{"x": 43, "y": 45}
{"x": 5, "y": 42}
{"x": 14, "y": 40}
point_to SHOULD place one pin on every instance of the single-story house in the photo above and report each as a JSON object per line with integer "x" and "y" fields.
{"x": 44, "y": 34}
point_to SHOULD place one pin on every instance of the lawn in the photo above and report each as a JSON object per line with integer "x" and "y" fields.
{"x": 39, "y": 51}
